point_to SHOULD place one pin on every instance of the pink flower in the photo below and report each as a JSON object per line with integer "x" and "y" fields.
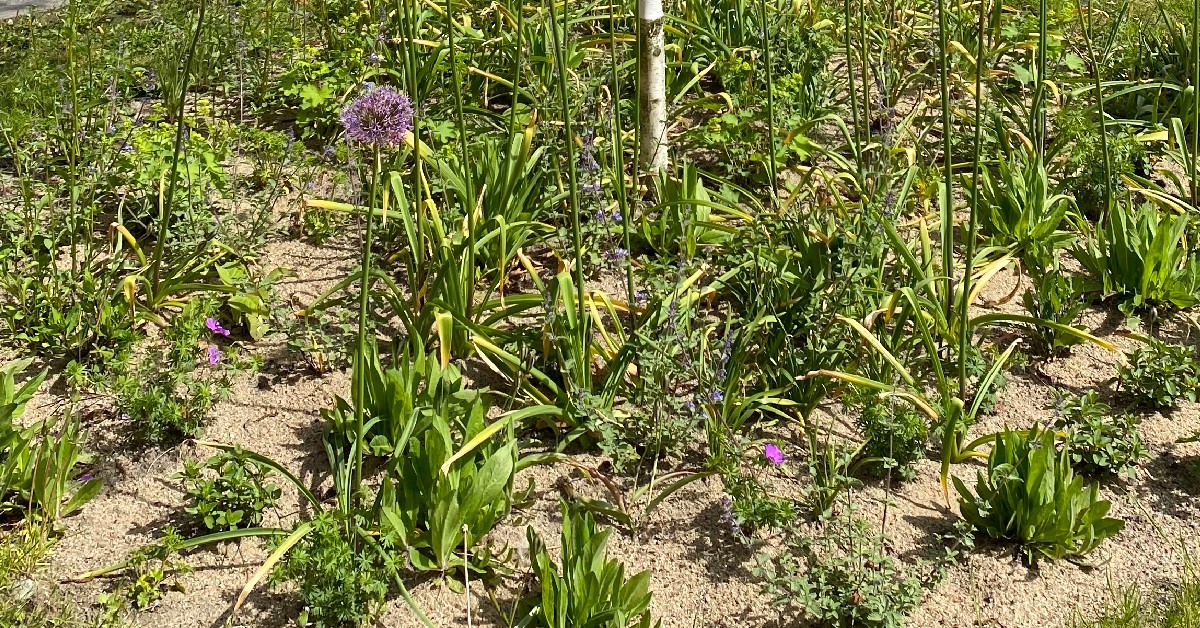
{"x": 214, "y": 355}
{"x": 772, "y": 453}
{"x": 215, "y": 327}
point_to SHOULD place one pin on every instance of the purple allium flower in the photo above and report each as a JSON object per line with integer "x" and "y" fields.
{"x": 772, "y": 453}
{"x": 214, "y": 355}
{"x": 380, "y": 117}
{"x": 215, "y": 327}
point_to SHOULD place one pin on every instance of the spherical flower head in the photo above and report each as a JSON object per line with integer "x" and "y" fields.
{"x": 380, "y": 117}
{"x": 772, "y": 454}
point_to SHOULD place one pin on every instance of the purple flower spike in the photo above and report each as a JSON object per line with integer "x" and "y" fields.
{"x": 616, "y": 254}
{"x": 215, "y": 327}
{"x": 772, "y": 453}
{"x": 380, "y": 117}
{"x": 214, "y": 355}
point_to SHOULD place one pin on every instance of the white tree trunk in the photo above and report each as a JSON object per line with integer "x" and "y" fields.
{"x": 652, "y": 100}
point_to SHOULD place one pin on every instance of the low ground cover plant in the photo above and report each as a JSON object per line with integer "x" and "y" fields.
{"x": 1100, "y": 439}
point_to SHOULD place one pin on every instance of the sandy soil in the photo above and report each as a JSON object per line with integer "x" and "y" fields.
{"x": 701, "y": 574}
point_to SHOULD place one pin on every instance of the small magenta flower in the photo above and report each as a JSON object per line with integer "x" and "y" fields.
{"x": 381, "y": 117}
{"x": 215, "y": 327}
{"x": 772, "y": 453}
{"x": 214, "y": 355}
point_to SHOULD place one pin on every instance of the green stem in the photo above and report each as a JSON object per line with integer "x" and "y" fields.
{"x": 360, "y": 375}
{"x": 619, "y": 161}
{"x": 853, "y": 94}
{"x": 469, "y": 202}
{"x": 947, "y": 212}
{"x": 964, "y": 329}
{"x": 160, "y": 242}
{"x": 864, "y": 54}
{"x": 770, "y": 107}
{"x": 1195, "y": 100}
{"x": 1037, "y": 122}
{"x": 516, "y": 84}
{"x": 576, "y": 234}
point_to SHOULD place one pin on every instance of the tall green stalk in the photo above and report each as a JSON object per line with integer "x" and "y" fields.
{"x": 864, "y": 54}
{"x": 770, "y": 106}
{"x": 516, "y": 71}
{"x": 1037, "y": 113}
{"x": 465, "y": 157}
{"x": 573, "y": 177}
{"x": 947, "y": 199}
{"x": 1195, "y": 100}
{"x": 418, "y": 276}
{"x": 173, "y": 181}
{"x": 360, "y": 364}
{"x": 619, "y": 160}
{"x": 857, "y": 150}
{"x": 964, "y": 330}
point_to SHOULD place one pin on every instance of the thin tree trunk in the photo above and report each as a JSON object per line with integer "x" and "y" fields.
{"x": 652, "y": 101}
